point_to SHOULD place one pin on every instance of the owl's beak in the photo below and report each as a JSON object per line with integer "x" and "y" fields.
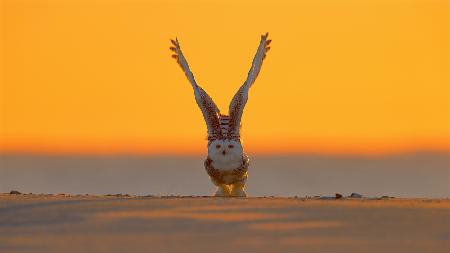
{"x": 223, "y": 152}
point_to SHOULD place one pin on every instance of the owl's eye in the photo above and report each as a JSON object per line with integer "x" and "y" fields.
{"x": 217, "y": 146}
{"x": 231, "y": 146}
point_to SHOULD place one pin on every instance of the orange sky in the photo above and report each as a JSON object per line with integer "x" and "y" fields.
{"x": 342, "y": 76}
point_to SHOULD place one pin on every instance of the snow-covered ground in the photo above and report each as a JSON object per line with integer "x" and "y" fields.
{"x": 47, "y": 224}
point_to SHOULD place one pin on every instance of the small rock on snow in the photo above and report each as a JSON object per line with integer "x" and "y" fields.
{"x": 355, "y": 195}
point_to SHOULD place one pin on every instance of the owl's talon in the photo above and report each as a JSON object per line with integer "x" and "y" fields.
{"x": 239, "y": 193}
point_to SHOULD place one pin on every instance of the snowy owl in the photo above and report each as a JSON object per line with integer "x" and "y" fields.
{"x": 226, "y": 164}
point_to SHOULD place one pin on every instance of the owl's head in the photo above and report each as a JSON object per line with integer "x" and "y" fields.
{"x": 225, "y": 150}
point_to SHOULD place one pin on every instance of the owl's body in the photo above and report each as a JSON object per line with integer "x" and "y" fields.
{"x": 226, "y": 164}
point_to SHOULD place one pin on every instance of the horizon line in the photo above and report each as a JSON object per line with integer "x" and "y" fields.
{"x": 187, "y": 147}
{"x": 197, "y": 154}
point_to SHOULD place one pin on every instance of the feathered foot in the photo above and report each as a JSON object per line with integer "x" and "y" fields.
{"x": 222, "y": 191}
{"x": 238, "y": 190}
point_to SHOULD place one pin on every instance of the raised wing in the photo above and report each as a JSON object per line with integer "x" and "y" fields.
{"x": 207, "y": 106}
{"x": 240, "y": 98}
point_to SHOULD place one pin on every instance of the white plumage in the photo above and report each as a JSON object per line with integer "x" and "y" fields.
{"x": 226, "y": 163}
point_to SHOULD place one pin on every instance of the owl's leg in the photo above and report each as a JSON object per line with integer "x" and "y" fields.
{"x": 238, "y": 189}
{"x": 223, "y": 190}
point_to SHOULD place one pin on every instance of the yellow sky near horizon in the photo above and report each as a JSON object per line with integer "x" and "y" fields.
{"x": 342, "y": 76}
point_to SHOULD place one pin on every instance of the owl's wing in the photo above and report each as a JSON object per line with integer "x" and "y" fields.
{"x": 207, "y": 106}
{"x": 240, "y": 98}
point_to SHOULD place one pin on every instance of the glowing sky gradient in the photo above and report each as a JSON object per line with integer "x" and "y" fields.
{"x": 343, "y": 76}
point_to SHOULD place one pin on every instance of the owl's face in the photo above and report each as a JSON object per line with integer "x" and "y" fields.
{"x": 225, "y": 151}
